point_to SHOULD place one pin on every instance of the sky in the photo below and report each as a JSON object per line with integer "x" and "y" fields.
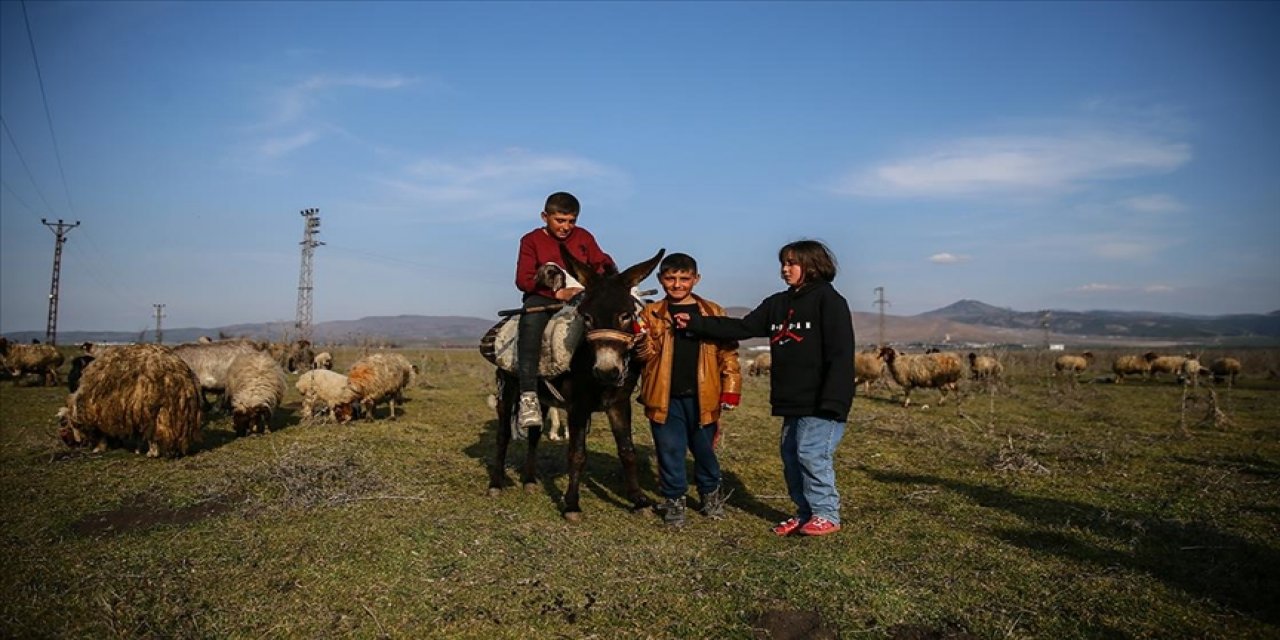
{"x": 1075, "y": 156}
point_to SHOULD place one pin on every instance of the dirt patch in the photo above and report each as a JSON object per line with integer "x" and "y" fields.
{"x": 791, "y": 624}
{"x": 143, "y": 513}
{"x": 917, "y": 632}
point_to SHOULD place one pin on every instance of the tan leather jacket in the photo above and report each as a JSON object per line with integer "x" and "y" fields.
{"x": 717, "y": 364}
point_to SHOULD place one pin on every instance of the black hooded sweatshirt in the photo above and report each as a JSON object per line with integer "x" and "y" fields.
{"x": 810, "y": 333}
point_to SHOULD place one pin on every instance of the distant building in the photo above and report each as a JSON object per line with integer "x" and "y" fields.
{"x": 1057, "y": 347}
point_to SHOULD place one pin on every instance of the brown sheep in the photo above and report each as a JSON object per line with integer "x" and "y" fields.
{"x": 761, "y": 365}
{"x": 142, "y": 391}
{"x": 43, "y": 359}
{"x": 255, "y": 387}
{"x": 984, "y": 367}
{"x": 1165, "y": 364}
{"x": 1130, "y": 366}
{"x": 1073, "y": 364}
{"x": 868, "y": 367}
{"x": 1227, "y": 368}
{"x": 378, "y": 377}
{"x": 941, "y": 371}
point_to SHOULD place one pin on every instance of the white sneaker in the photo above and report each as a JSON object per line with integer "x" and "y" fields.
{"x": 528, "y": 414}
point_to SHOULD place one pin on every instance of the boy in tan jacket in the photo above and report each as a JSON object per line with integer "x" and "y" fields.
{"x": 684, "y": 385}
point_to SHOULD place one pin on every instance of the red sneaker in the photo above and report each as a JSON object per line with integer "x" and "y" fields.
{"x": 786, "y": 527}
{"x": 819, "y": 526}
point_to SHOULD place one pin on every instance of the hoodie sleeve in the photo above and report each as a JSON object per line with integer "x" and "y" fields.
{"x": 837, "y": 357}
{"x": 753, "y": 325}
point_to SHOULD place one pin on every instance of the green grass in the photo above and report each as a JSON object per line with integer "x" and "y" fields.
{"x": 1038, "y": 509}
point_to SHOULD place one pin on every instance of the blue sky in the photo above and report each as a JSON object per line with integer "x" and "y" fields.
{"x": 1030, "y": 155}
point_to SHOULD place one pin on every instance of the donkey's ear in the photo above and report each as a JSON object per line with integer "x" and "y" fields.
{"x": 636, "y": 274}
{"x": 578, "y": 269}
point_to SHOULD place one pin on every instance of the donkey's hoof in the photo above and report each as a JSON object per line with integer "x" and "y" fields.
{"x": 573, "y": 516}
{"x": 495, "y": 492}
{"x": 530, "y": 487}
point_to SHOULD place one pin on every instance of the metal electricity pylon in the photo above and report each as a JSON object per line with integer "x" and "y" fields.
{"x": 881, "y": 302}
{"x": 60, "y": 233}
{"x": 159, "y": 330}
{"x": 310, "y": 227}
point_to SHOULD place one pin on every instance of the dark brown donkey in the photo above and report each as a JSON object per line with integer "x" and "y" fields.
{"x": 601, "y": 377}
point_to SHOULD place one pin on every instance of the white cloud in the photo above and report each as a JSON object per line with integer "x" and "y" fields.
{"x": 1099, "y": 287}
{"x": 1158, "y": 288}
{"x": 948, "y": 258}
{"x": 1124, "y": 250}
{"x": 1154, "y": 203}
{"x": 293, "y": 102}
{"x": 1016, "y": 165}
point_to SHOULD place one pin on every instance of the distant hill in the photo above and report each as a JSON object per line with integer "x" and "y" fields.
{"x": 966, "y": 321}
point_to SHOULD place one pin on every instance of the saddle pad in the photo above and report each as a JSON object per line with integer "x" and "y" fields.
{"x": 563, "y": 334}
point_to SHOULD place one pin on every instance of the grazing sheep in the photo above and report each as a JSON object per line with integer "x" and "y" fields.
{"x": 1130, "y": 366}
{"x": 761, "y": 365}
{"x": 323, "y": 360}
{"x": 868, "y": 367}
{"x": 43, "y": 359}
{"x": 941, "y": 371}
{"x": 330, "y": 389}
{"x": 142, "y": 391}
{"x": 1072, "y": 364}
{"x": 378, "y": 377}
{"x": 1191, "y": 371}
{"x": 255, "y": 387}
{"x": 1227, "y": 368}
{"x": 210, "y": 361}
{"x": 1165, "y": 364}
{"x": 984, "y": 367}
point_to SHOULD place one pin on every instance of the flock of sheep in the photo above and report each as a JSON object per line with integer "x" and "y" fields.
{"x": 156, "y": 396}
{"x": 943, "y": 370}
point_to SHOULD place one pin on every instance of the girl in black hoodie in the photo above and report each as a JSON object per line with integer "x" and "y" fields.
{"x": 810, "y": 333}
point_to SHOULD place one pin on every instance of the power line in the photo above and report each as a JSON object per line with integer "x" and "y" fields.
{"x": 30, "y": 176}
{"x": 48, "y": 116}
{"x": 18, "y": 197}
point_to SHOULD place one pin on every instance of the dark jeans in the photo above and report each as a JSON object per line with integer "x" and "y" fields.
{"x": 682, "y": 432}
{"x": 529, "y": 341}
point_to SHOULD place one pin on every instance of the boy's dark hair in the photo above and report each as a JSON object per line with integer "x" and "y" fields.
{"x": 813, "y": 256}
{"x": 562, "y": 202}
{"x": 678, "y": 262}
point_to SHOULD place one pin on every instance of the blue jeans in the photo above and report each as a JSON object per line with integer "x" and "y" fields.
{"x": 808, "y": 451}
{"x": 682, "y": 432}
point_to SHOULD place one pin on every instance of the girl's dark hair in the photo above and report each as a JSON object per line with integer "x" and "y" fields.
{"x": 561, "y": 202}
{"x": 812, "y": 256}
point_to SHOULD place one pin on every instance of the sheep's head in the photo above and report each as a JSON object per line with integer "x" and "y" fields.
{"x": 888, "y": 354}
{"x": 344, "y": 411}
{"x": 67, "y": 431}
{"x": 1088, "y": 356}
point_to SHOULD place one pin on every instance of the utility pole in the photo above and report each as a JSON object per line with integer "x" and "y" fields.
{"x": 881, "y": 302}
{"x": 1044, "y": 323}
{"x": 159, "y": 331}
{"x": 310, "y": 227}
{"x": 60, "y": 234}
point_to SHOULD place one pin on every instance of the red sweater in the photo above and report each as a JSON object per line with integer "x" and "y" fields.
{"x": 538, "y": 248}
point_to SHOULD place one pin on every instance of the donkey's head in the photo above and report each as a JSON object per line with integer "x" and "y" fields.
{"x": 609, "y": 312}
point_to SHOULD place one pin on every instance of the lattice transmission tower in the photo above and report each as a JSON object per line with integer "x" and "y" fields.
{"x": 881, "y": 302}
{"x": 60, "y": 233}
{"x": 310, "y": 228}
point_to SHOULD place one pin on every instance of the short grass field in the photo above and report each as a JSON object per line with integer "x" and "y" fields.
{"x": 1036, "y": 508}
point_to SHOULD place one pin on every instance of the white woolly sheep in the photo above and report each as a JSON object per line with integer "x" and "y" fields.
{"x": 323, "y": 360}
{"x": 1227, "y": 368}
{"x": 984, "y": 367}
{"x": 1071, "y": 364}
{"x": 43, "y": 359}
{"x": 555, "y": 425}
{"x": 210, "y": 361}
{"x": 868, "y": 367}
{"x": 761, "y": 365}
{"x": 1191, "y": 371}
{"x": 330, "y": 389}
{"x": 142, "y": 391}
{"x": 255, "y": 387}
{"x": 378, "y": 377}
{"x": 1130, "y": 366}
{"x": 941, "y": 371}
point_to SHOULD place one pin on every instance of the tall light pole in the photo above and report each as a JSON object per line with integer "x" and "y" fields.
{"x": 60, "y": 234}
{"x": 310, "y": 228}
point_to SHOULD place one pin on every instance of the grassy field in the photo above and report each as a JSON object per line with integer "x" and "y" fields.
{"x": 1037, "y": 508}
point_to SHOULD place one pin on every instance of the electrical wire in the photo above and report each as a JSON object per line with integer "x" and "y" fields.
{"x": 30, "y": 176}
{"x": 48, "y": 116}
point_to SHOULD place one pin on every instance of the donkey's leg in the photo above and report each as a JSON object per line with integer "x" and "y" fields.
{"x": 506, "y": 404}
{"x": 620, "y": 423}
{"x": 529, "y": 475}
{"x": 577, "y": 458}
